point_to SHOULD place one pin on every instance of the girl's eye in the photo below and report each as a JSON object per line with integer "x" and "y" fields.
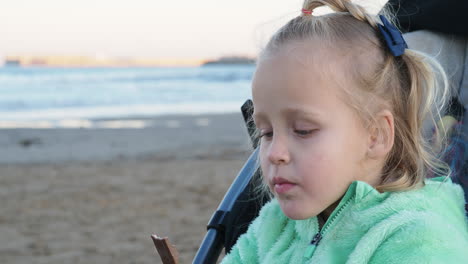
{"x": 266, "y": 134}
{"x": 303, "y": 132}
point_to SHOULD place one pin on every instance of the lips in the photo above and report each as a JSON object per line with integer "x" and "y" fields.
{"x": 282, "y": 185}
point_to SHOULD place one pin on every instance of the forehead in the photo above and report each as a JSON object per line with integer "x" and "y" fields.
{"x": 298, "y": 78}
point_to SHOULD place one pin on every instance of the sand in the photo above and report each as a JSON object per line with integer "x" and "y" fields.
{"x": 96, "y": 195}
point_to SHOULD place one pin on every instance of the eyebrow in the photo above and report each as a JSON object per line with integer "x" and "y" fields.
{"x": 299, "y": 111}
{"x": 288, "y": 112}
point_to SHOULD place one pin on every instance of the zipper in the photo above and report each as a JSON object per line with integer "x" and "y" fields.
{"x": 313, "y": 245}
{"x": 318, "y": 237}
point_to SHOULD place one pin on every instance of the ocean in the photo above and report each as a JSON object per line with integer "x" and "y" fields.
{"x": 53, "y": 94}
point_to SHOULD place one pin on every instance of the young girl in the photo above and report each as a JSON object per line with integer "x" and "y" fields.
{"x": 339, "y": 102}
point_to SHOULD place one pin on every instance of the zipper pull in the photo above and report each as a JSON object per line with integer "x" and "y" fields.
{"x": 313, "y": 245}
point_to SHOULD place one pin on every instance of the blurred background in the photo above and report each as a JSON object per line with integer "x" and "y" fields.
{"x": 121, "y": 119}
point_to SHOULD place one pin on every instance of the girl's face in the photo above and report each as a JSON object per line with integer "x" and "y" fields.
{"x": 313, "y": 145}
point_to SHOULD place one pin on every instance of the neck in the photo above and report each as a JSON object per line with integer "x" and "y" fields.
{"x": 327, "y": 212}
{"x": 372, "y": 179}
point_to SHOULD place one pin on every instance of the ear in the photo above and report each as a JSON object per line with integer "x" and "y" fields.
{"x": 381, "y": 135}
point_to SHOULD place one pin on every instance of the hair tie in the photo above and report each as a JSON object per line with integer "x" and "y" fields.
{"x": 393, "y": 37}
{"x": 306, "y": 12}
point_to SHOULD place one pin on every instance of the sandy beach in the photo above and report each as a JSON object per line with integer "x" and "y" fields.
{"x": 95, "y": 195}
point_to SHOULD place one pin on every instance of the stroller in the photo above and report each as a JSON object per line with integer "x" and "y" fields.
{"x": 241, "y": 204}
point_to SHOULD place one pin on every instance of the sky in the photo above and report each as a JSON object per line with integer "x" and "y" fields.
{"x": 175, "y": 29}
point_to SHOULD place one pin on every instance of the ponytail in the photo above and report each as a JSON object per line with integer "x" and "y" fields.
{"x": 421, "y": 97}
{"x": 356, "y": 11}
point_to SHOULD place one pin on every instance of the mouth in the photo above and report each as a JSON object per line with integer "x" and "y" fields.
{"x": 281, "y": 185}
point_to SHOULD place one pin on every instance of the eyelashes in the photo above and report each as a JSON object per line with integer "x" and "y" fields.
{"x": 266, "y": 134}
{"x": 304, "y": 132}
{"x": 269, "y": 134}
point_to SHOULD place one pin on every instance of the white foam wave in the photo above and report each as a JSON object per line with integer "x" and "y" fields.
{"x": 119, "y": 111}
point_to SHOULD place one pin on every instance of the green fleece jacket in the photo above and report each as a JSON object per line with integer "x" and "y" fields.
{"x": 427, "y": 225}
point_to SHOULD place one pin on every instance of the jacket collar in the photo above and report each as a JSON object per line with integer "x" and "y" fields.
{"x": 357, "y": 192}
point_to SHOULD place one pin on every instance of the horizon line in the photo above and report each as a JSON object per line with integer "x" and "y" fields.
{"x": 105, "y": 61}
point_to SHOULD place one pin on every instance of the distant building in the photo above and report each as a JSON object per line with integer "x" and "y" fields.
{"x": 232, "y": 60}
{"x": 12, "y": 62}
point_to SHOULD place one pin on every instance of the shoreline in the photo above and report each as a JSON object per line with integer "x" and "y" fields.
{"x": 100, "y": 122}
{"x": 162, "y": 137}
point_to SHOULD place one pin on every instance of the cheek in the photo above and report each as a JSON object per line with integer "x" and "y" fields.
{"x": 263, "y": 159}
{"x": 262, "y": 154}
{"x": 333, "y": 161}
{"x": 315, "y": 165}
{"x": 324, "y": 177}
{"x": 317, "y": 150}
{"x": 312, "y": 162}
{"x": 324, "y": 159}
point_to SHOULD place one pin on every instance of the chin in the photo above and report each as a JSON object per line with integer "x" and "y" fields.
{"x": 296, "y": 212}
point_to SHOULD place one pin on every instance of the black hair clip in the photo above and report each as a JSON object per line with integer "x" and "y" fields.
{"x": 392, "y": 36}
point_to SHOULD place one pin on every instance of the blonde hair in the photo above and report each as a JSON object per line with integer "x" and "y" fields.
{"x": 407, "y": 85}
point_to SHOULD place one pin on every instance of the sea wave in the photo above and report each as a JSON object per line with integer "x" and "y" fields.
{"x": 121, "y": 111}
{"x": 53, "y": 93}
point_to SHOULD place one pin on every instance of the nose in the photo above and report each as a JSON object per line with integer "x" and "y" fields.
{"x": 278, "y": 152}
